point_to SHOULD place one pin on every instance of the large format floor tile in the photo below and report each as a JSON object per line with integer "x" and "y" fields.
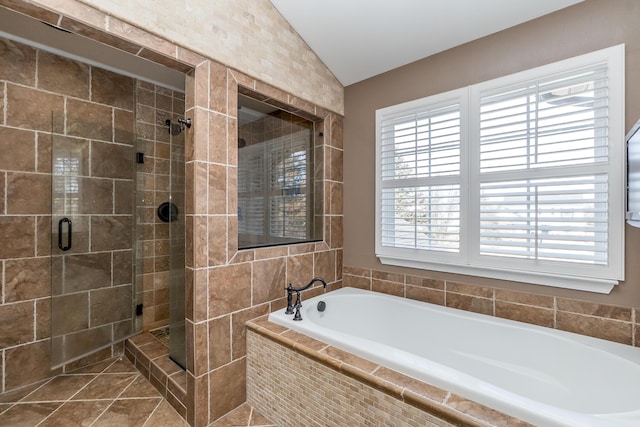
{"x": 110, "y": 393}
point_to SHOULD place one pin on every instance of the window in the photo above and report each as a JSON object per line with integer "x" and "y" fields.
{"x": 519, "y": 178}
{"x": 275, "y": 176}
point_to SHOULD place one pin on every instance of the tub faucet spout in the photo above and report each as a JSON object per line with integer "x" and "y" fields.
{"x": 290, "y": 290}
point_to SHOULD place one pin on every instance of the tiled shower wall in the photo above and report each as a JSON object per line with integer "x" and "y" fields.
{"x": 225, "y": 286}
{"x": 90, "y": 110}
{"x": 156, "y": 104}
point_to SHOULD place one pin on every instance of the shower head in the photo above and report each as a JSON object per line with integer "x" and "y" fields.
{"x": 176, "y": 128}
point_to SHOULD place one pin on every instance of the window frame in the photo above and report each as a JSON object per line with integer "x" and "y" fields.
{"x": 469, "y": 261}
{"x": 257, "y": 231}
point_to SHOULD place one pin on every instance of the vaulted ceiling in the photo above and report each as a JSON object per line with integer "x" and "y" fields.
{"x": 358, "y": 39}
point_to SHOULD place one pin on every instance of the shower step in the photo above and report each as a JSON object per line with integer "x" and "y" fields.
{"x": 162, "y": 335}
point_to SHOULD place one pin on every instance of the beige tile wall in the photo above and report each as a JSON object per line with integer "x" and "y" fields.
{"x": 248, "y": 35}
{"x": 227, "y": 287}
{"x": 613, "y": 323}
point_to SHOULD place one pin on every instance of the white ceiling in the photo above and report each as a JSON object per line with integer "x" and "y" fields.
{"x": 358, "y": 39}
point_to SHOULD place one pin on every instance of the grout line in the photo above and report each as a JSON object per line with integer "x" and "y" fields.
{"x": 152, "y": 412}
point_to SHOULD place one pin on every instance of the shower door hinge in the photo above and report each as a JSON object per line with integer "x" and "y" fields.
{"x": 139, "y": 310}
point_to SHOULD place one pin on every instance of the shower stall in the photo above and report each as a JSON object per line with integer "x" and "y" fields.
{"x": 117, "y": 224}
{"x": 93, "y": 143}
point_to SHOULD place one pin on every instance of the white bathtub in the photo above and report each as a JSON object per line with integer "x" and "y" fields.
{"x": 543, "y": 376}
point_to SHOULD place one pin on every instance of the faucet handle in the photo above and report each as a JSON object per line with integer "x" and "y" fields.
{"x": 298, "y": 305}
{"x": 289, "y": 309}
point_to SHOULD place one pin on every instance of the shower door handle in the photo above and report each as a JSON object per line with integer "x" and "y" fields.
{"x": 69, "y": 234}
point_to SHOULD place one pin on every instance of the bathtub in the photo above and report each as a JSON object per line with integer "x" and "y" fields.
{"x": 543, "y": 376}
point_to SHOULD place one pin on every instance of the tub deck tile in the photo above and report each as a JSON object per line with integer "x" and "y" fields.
{"x": 304, "y": 340}
{"x": 482, "y": 412}
{"x": 351, "y": 359}
{"x": 412, "y": 385}
{"x": 428, "y": 398}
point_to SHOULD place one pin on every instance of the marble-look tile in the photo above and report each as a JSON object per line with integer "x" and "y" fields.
{"x": 112, "y": 89}
{"x": 527, "y": 314}
{"x": 350, "y": 359}
{"x": 76, "y": 413}
{"x": 470, "y": 303}
{"x": 17, "y": 324}
{"x": 105, "y": 386}
{"x": 299, "y": 269}
{"x": 140, "y": 387}
{"x": 59, "y": 388}
{"x": 229, "y": 289}
{"x": 598, "y": 327}
{"x": 357, "y": 282}
{"x": 121, "y": 366}
{"x": 325, "y": 265}
{"x": 268, "y": 280}
{"x": 239, "y": 330}
{"x": 88, "y": 120}
{"x": 27, "y": 278}
{"x": 31, "y": 109}
{"x": 385, "y": 287}
{"x": 62, "y": 75}
{"x": 421, "y": 281}
{"x": 28, "y": 193}
{"x": 28, "y": 414}
{"x": 165, "y": 416}
{"x": 227, "y": 388}
{"x": 17, "y": 62}
{"x": 419, "y": 293}
{"x": 127, "y": 412}
{"x": 21, "y": 144}
{"x": 219, "y": 341}
{"x": 542, "y": 301}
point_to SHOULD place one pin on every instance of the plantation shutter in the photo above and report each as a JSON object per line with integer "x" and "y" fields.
{"x": 544, "y": 169}
{"x": 420, "y": 178}
{"x": 251, "y": 211}
{"x": 288, "y": 168}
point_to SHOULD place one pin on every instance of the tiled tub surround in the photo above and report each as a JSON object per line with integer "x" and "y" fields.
{"x": 545, "y": 377}
{"x": 296, "y": 380}
{"x": 612, "y": 323}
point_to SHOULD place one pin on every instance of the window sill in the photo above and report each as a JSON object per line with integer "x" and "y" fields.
{"x": 600, "y": 286}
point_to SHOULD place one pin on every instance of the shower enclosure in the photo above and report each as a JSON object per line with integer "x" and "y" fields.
{"x": 93, "y": 232}
{"x": 177, "y": 342}
{"x": 117, "y": 253}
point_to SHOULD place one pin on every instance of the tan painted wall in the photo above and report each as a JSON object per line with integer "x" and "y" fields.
{"x": 248, "y": 35}
{"x": 588, "y": 26}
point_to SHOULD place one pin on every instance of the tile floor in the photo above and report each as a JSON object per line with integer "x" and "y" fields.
{"x": 111, "y": 393}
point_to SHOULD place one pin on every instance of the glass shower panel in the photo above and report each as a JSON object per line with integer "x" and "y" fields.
{"x": 177, "y": 343}
{"x": 92, "y": 227}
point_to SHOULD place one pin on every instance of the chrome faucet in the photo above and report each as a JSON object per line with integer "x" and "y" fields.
{"x": 298, "y": 304}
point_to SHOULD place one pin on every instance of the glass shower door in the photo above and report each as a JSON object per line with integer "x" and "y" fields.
{"x": 177, "y": 343}
{"x": 92, "y": 236}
